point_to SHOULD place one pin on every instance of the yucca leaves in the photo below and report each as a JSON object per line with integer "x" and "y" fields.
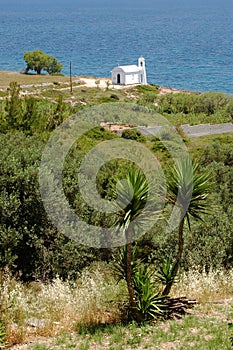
{"x": 135, "y": 208}
{"x": 132, "y": 195}
{"x": 166, "y": 273}
{"x": 188, "y": 188}
{"x": 119, "y": 261}
{"x": 150, "y": 303}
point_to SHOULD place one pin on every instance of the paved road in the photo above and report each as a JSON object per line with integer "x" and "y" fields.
{"x": 207, "y": 129}
{"x": 193, "y": 131}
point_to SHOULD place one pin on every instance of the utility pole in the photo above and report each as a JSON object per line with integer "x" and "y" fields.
{"x": 71, "y": 84}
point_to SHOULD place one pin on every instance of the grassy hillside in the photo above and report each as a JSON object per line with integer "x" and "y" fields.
{"x": 6, "y": 77}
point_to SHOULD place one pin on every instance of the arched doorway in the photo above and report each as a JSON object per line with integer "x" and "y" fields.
{"x": 118, "y": 78}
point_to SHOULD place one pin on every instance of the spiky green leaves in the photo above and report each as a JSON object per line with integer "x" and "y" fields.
{"x": 132, "y": 195}
{"x": 188, "y": 189}
{"x": 138, "y": 201}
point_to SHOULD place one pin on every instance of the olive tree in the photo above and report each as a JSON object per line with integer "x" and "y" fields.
{"x": 37, "y": 60}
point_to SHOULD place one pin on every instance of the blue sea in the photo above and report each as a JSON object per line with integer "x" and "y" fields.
{"x": 187, "y": 44}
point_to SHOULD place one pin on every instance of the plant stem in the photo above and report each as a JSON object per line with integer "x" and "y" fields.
{"x": 132, "y": 301}
{"x": 168, "y": 287}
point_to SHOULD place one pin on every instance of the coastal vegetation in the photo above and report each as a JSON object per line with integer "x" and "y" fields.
{"x": 54, "y": 287}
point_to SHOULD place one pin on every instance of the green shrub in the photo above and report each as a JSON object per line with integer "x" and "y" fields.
{"x": 148, "y": 88}
{"x": 133, "y": 134}
{"x": 106, "y": 99}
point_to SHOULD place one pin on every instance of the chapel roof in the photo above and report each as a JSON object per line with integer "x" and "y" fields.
{"x": 130, "y": 68}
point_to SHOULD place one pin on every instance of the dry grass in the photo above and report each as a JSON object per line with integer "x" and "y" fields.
{"x": 47, "y": 309}
{"x": 39, "y": 309}
{"x": 212, "y": 287}
{"x": 7, "y": 77}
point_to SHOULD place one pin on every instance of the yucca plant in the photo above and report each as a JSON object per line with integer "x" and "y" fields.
{"x": 187, "y": 188}
{"x": 150, "y": 303}
{"x": 119, "y": 262}
{"x": 166, "y": 273}
{"x": 132, "y": 200}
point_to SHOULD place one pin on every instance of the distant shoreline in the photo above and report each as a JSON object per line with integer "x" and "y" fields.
{"x": 6, "y": 77}
{"x": 33, "y": 79}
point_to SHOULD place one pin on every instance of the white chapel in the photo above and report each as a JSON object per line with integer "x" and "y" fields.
{"x": 132, "y": 74}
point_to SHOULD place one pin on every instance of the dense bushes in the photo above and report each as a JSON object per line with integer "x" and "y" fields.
{"x": 208, "y": 103}
{"x": 193, "y": 108}
{"x": 29, "y": 245}
{"x": 32, "y": 248}
{"x": 30, "y": 114}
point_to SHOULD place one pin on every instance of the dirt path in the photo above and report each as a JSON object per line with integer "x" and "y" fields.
{"x": 91, "y": 82}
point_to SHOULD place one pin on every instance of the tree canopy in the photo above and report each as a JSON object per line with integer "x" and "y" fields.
{"x": 37, "y": 60}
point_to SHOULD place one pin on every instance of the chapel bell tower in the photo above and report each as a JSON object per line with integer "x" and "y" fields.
{"x": 142, "y": 66}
